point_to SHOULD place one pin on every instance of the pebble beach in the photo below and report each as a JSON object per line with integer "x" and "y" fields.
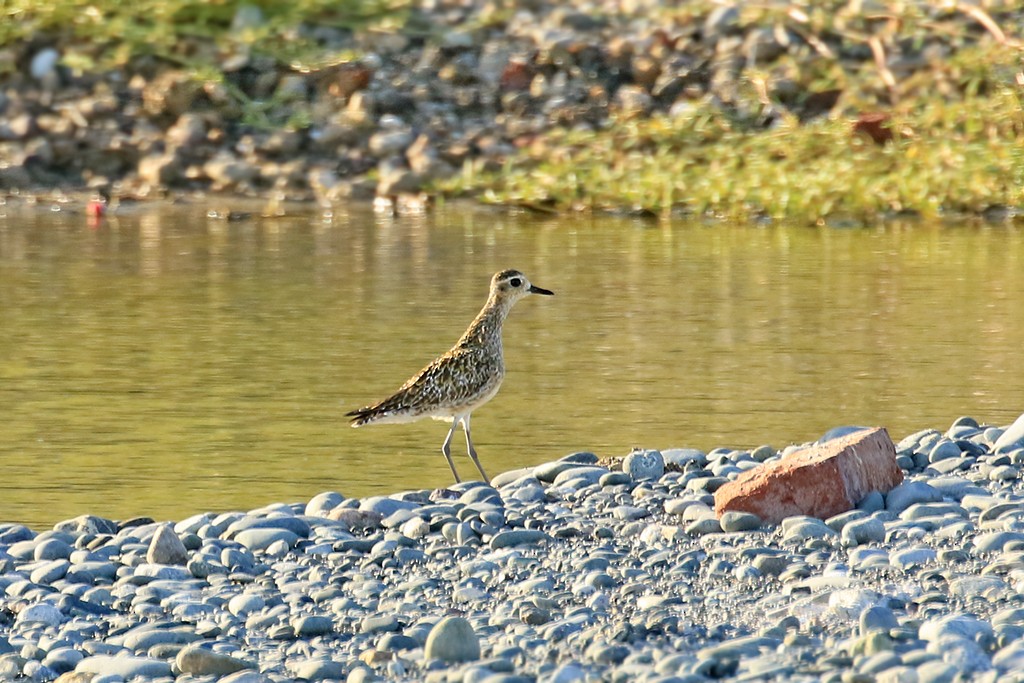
{"x": 580, "y": 569}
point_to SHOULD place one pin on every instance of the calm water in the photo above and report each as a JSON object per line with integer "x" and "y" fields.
{"x": 164, "y": 363}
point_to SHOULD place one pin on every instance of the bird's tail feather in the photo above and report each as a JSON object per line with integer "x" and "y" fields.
{"x": 361, "y": 416}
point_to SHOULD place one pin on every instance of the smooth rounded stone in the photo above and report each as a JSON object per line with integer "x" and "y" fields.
{"x": 163, "y": 572}
{"x": 737, "y": 648}
{"x": 379, "y": 623}
{"x": 125, "y": 667}
{"x": 954, "y": 625}
{"x": 310, "y": 626}
{"x": 977, "y": 586}
{"x": 416, "y": 528}
{"x": 513, "y": 477}
{"x": 1012, "y": 436}
{"x": 51, "y": 571}
{"x": 40, "y": 613}
{"x": 950, "y": 466}
{"x": 201, "y": 661}
{"x": 899, "y": 498}
{"x": 849, "y": 603}
{"x": 905, "y": 463}
{"x": 964, "y": 655}
{"x": 911, "y": 557}
{"x": 644, "y": 464}
{"x": 942, "y": 450}
{"x": 1010, "y": 658}
{"x": 1010, "y": 615}
{"x": 863, "y": 559}
{"x": 43, "y": 64}
{"x": 799, "y": 529}
{"x": 995, "y": 509}
{"x": 919, "y": 511}
{"x": 879, "y": 662}
{"x": 926, "y": 437}
{"x": 62, "y": 659}
{"x": 877, "y": 618}
{"x": 587, "y": 474}
{"x": 386, "y": 506}
{"x": 837, "y": 522}
{"x": 245, "y": 603}
{"x": 704, "y": 526}
{"x": 872, "y": 502}
{"x": 679, "y": 506}
{"x": 936, "y": 671}
{"x": 515, "y": 537}
{"x": 771, "y": 564}
{"x": 480, "y": 494}
{"x": 861, "y": 531}
{"x": 629, "y": 513}
{"x": 706, "y": 484}
{"x": 733, "y": 521}
{"x": 320, "y": 669}
{"x": 569, "y": 672}
{"x": 262, "y": 538}
{"x": 397, "y": 642}
{"x": 681, "y": 457}
{"x": 322, "y": 503}
{"x": 243, "y": 676}
{"x": 52, "y": 549}
{"x": 548, "y": 471}
{"x": 452, "y": 640}
{"x": 296, "y": 525}
{"x": 957, "y": 488}
{"x": 1004, "y": 473}
{"x": 996, "y": 541}
{"x": 148, "y": 635}
{"x": 615, "y": 479}
{"x": 166, "y": 548}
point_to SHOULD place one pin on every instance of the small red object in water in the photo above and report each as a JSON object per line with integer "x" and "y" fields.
{"x": 95, "y": 208}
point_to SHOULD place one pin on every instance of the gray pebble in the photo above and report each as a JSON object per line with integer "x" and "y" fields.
{"x": 644, "y": 465}
{"x": 733, "y": 521}
{"x": 517, "y": 537}
{"x": 906, "y": 494}
{"x": 452, "y": 640}
{"x": 201, "y": 661}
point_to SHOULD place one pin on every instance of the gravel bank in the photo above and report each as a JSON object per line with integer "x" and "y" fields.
{"x": 569, "y": 571}
{"x": 457, "y": 87}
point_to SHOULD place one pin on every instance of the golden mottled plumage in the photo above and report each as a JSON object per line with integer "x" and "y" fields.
{"x": 463, "y": 379}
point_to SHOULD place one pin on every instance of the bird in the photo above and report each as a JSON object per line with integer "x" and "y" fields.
{"x": 469, "y": 375}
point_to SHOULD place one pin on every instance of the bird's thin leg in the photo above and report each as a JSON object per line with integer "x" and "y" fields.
{"x": 446, "y": 449}
{"x": 472, "y": 451}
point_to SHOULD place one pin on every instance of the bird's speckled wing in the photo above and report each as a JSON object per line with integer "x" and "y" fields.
{"x": 459, "y": 380}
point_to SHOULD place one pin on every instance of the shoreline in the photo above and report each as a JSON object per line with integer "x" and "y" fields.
{"x": 567, "y": 571}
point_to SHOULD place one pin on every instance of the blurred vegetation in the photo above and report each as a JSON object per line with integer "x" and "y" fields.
{"x": 112, "y": 33}
{"x": 945, "y": 137}
{"x": 943, "y": 159}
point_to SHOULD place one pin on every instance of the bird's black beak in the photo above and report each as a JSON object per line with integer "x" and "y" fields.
{"x": 534, "y": 289}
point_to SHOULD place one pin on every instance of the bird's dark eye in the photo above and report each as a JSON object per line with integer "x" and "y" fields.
{"x": 515, "y": 282}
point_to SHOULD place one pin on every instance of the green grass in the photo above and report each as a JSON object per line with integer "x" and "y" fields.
{"x": 946, "y": 158}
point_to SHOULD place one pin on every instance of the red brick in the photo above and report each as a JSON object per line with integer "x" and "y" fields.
{"x": 821, "y": 480}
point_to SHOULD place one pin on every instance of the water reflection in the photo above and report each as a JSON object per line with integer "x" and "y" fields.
{"x": 167, "y": 362}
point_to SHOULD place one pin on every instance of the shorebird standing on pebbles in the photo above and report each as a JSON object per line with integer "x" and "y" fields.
{"x": 462, "y": 380}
